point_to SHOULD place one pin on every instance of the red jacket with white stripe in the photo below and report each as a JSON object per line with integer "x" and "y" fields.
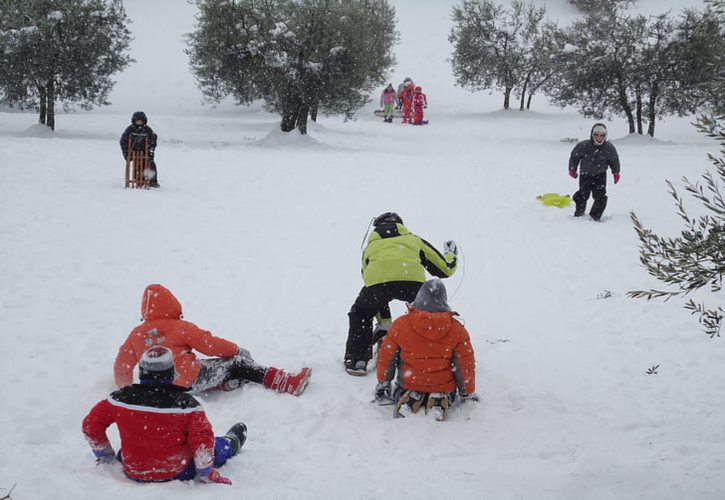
{"x": 162, "y": 428}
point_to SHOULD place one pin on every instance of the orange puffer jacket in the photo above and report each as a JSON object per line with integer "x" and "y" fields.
{"x": 432, "y": 352}
{"x": 163, "y": 325}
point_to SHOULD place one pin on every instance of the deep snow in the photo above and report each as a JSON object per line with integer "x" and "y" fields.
{"x": 258, "y": 234}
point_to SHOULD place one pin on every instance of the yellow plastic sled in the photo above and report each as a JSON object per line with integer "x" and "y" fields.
{"x": 555, "y": 200}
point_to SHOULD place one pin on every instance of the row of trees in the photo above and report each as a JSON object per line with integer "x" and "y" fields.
{"x": 308, "y": 56}
{"x": 607, "y": 63}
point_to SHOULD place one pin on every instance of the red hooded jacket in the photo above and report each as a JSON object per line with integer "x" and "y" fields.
{"x": 431, "y": 352}
{"x": 163, "y": 325}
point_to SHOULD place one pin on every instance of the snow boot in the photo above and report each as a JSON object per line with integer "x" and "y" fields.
{"x": 438, "y": 404}
{"x": 237, "y": 435}
{"x": 410, "y": 402}
{"x": 356, "y": 368}
{"x": 290, "y": 383}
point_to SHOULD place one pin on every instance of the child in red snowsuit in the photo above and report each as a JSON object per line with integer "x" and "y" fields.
{"x": 406, "y": 96}
{"x": 419, "y": 103}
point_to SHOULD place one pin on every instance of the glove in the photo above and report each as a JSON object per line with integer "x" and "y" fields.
{"x": 469, "y": 397}
{"x": 105, "y": 455}
{"x": 616, "y": 177}
{"x": 125, "y": 156}
{"x": 450, "y": 246}
{"x": 382, "y": 391}
{"x": 573, "y": 174}
{"x": 211, "y": 475}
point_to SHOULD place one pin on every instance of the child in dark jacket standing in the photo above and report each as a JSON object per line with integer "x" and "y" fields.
{"x": 594, "y": 156}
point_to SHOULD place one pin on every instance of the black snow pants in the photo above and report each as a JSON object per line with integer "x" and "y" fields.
{"x": 596, "y": 185}
{"x": 371, "y": 301}
{"x": 216, "y": 371}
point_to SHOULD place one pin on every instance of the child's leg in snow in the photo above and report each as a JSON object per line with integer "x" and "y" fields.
{"x": 216, "y": 371}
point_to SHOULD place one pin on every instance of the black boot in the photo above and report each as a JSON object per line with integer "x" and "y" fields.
{"x": 598, "y": 208}
{"x": 237, "y": 435}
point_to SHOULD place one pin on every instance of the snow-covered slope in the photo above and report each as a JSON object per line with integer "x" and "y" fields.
{"x": 258, "y": 234}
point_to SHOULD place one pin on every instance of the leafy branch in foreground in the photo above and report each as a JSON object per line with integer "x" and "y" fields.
{"x": 696, "y": 258}
{"x": 7, "y": 497}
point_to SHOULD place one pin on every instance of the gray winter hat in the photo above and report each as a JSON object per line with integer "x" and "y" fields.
{"x": 156, "y": 365}
{"x": 432, "y": 297}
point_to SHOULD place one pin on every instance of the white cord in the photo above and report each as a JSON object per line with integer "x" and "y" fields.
{"x": 463, "y": 271}
{"x": 366, "y": 233}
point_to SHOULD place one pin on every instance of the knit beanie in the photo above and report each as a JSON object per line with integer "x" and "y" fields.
{"x": 432, "y": 297}
{"x": 156, "y": 366}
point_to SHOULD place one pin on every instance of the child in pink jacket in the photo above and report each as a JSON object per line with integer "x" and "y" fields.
{"x": 387, "y": 101}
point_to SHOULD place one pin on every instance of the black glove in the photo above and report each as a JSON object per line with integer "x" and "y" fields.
{"x": 382, "y": 391}
{"x": 125, "y": 156}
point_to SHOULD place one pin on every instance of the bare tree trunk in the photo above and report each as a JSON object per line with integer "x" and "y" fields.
{"x": 302, "y": 118}
{"x": 51, "y": 105}
{"x": 43, "y": 104}
{"x": 289, "y": 115}
{"x": 536, "y": 87}
{"x": 313, "y": 110}
{"x": 523, "y": 94}
{"x": 624, "y": 103}
{"x": 507, "y": 98}
{"x": 652, "y": 111}
{"x": 639, "y": 111}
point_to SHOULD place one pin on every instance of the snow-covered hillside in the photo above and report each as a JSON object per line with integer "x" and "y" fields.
{"x": 258, "y": 234}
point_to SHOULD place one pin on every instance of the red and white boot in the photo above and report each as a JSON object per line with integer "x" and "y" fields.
{"x": 291, "y": 383}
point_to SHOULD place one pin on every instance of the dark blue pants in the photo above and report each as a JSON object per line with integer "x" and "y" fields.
{"x": 222, "y": 452}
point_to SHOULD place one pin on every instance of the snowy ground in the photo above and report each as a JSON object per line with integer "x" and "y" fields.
{"x": 258, "y": 234}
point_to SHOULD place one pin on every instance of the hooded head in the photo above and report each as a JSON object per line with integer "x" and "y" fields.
{"x": 159, "y": 303}
{"x": 156, "y": 366}
{"x": 432, "y": 297}
{"x": 387, "y": 218}
{"x": 418, "y": 90}
{"x": 139, "y": 116}
{"x": 599, "y": 134}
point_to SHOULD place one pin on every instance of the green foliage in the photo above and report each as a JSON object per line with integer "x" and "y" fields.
{"x": 695, "y": 259}
{"x": 593, "y": 6}
{"x": 498, "y": 48}
{"x": 61, "y": 50}
{"x": 640, "y": 67}
{"x": 297, "y": 55}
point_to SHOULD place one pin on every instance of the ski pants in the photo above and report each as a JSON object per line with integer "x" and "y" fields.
{"x": 388, "y": 110}
{"x": 596, "y": 185}
{"x": 418, "y": 115}
{"x": 216, "y": 371}
{"x": 407, "y": 113}
{"x": 370, "y": 301}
